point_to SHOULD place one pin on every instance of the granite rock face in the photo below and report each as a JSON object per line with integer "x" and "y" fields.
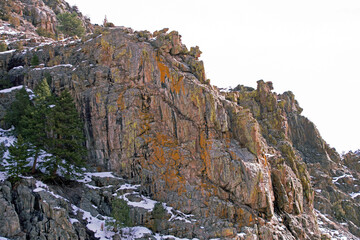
{"x": 237, "y": 161}
{"x": 30, "y": 215}
{"x": 334, "y": 178}
{"x": 151, "y": 116}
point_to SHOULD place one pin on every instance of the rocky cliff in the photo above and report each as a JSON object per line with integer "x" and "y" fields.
{"x": 243, "y": 161}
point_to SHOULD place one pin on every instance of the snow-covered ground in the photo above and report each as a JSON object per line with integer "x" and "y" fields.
{"x": 88, "y": 176}
{"x": 5, "y": 29}
{"x": 97, "y": 223}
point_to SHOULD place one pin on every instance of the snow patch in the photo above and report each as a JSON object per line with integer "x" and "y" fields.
{"x": 88, "y": 176}
{"x": 18, "y": 67}
{"x": 56, "y": 66}
{"x": 128, "y": 186}
{"x": 335, "y": 179}
{"x": 178, "y": 215}
{"x": 269, "y": 155}
{"x": 73, "y": 220}
{"x": 8, "y": 90}
{"x": 149, "y": 204}
{"x": 40, "y": 187}
{"x": 11, "y": 89}
{"x": 241, "y": 234}
{"x": 135, "y": 232}
{"x": 145, "y": 203}
{"x": 354, "y": 195}
{"x": 39, "y": 190}
{"x": 160, "y": 237}
{"x": 92, "y": 187}
{"x": 95, "y": 224}
{"x": 3, "y": 176}
{"x": 6, "y": 52}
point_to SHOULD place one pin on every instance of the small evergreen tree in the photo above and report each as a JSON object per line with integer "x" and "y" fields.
{"x": 18, "y": 154}
{"x": 5, "y": 83}
{"x": 3, "y": 46}
{"x": 34, "y": 60}
{"x": 43, "y": 92}
{"x": 33, "y": 120}
{"x": 51, "y": 124}
{"x": 34, "y": 132}
{"x": 66, "y": 137}
{"x": 121, "y": 214}
{"x": 70, "y": 24}
{"x": 159, "y": 215}
{"x": 18, "y": 108}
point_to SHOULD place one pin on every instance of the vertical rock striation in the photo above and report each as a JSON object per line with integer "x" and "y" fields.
{"x": 151, "y": 115}
{"x": 237, "y": 161}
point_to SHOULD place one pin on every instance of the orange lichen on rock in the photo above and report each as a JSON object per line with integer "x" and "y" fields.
{"x": 204, "y": 153}
{"x": 167, "y": 159}
{"x": 164, "y": 70}
{"x": 98, "y": 97}
{"x": 176, "y": 81}
{"x": 251, "y": 219}
{"x": 265, "y": 160}
{"x": 120, "y": 102}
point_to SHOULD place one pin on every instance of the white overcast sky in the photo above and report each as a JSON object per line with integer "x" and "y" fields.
{"x": 311, "y": 47}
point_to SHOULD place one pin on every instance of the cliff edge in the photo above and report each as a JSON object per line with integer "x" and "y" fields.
{"x": 244, "y": 163}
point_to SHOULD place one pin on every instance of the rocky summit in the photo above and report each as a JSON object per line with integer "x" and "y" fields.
{"x": 236, "y": 164}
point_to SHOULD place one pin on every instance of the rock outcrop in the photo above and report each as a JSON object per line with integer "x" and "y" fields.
{"x": 334, "y": 179}
{"x": 237, "y": 161}
{"x": 31, "y": 22}
{"x": 151, "y": 116}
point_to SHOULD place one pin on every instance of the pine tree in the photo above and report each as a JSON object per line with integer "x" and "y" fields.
{"x": 159, "y": 215}
{"x": 35, "y": 60}
{"x": 34, "y": 119}
{"x": 70, "y": 24}
{"x": 120, "y": 213}
{"x": 34, "y": 132}
{"x": 18, "y": 154}
{"x": 43, "y": 92}
{"x": 66, "y": 137}
{"x": 50, "y": 124}
{"x": 18, "y": 108}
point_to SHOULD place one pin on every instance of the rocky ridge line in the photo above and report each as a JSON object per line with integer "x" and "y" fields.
{"x": 237, "y": 161}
